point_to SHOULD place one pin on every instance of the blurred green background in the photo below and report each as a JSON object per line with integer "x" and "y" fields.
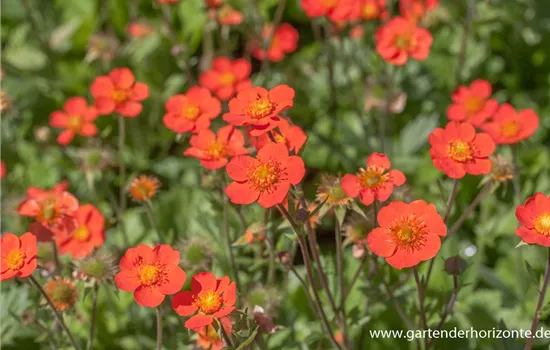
{"x": 47, "y": 57}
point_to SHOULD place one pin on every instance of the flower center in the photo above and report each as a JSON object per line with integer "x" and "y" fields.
{"x": 82, "y": 233}
{"x": 208, "y": 301}
{"x": 49, "y": 213}
{"x": 191, "y": 112}
{"x": 510, "y": 129}
{"x": 15, "y": 259}
{"x": 228, "y": 79}
{"x": 150, "y": 274}
{"x": 403, "y": 42}
{"x": 75, "y": 121}
{"x": 216, "y": 150}
{"x": 120, "y": 96}
{"x": 372, "y": 177}
{"x": 280, "y": 138}
{"x": 460, "y": 151}
{"x": 260, "y": 108}
{"x": 265, "y": 176}
{"x": 328, "y": 4}
{"x": 370, "y": 11}
{"x": 409, "y": 232}
{"x": 542, "y": 224}
{"x": 473, "y": 105}
{"x": 62, "y": 293}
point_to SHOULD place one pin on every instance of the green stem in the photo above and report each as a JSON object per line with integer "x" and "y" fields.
{"x": 149, "y": 210}
{"x": 159, "y": 328}
{"x": 122, "y": 165}
{"x": 420, "y": 293}
{"x": 227, "y": 234}
{"x": 93, "y": 317}
{"x": 271, "y": 242}
{"x": 341, "y": 282}
{"x": 542, "y": 294}
{"x": 277, "y": 19}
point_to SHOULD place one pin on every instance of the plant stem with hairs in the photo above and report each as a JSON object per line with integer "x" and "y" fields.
{"x": 121, "y": 165}
{"x": 56, "y": 313}
{"x": 464, "y": 42}
{"x": 458, "y": 223}
{"x": 271, "y": 252}
{"x": 159, "y": 327}
{"x": 538, "y": 310}
{"x": 227, "y": 234}
{"x": 267, "y": 44}
{"x": 93, "y": 317}
{"x": 341, "y": 282}
{"x": 149, "y": 210}
{"x": 448, "y": 310}
{"x": 226, "y": 336}
{"x": 420, "y": 293}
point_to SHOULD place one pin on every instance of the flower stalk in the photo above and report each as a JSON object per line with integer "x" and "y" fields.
{"x": 542, "y": 294}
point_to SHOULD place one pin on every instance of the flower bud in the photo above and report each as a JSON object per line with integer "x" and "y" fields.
{"x": 455, "y": 265}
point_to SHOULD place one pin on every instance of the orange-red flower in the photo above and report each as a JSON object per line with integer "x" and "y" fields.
{"x": 457, "y": 150}
{"x": 144, "y": 188}
{"x": 213, "y": 150}
{"x": 119, "y": 92}
{"x": 284, "y": 40}
{"x": 335, "y": 10}
{"x": 209, "y": 299}
{"x": 408, "y": 233}
{"x": 369, "y": 10}
{"x": 18, "y": 255}
{"x": 76, "y": 118}
{"x": 399, "y": 39}
{"x": 227, "y": 77}
{"x": 259, "y": 108}
{"x": 62, "y": 292}
{"x": 508, "y": 126}
{"x": 88, "y": 234}
{"x": 139, "y": 29}
{"x": 192, "y": 111}
{"x": 213, "y": 3}
{"x": 415, "y": 9}
{"x": 209, "y": 339}
{"x": 229, "y": 16}
{"x": 150, "y": 273}
{"x": 534, "y": 216}
{"x": 266, "y": 178}
{"x": 374, "y": 182}
{"x": 291, "y": 135}
{"x": 472, "y": 104}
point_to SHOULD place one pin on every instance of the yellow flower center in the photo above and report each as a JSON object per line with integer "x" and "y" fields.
{"x": 542, "y": 224}
{"x": 280, "y": 138}
{"x": 15, "y": 259}
{"x": 49, "y": 213}
{"x": 150, "y": 275}
{"x": 370, "y": 11}
{"x": 260, "y": 108}
{"x": 74, "y": 123}
{"x": 191, "y": 112}
{"x": 409, "y": 232}
{"x": 510, "y": 129}
{"x": 216, "y": 150}
{"x": 228, "y": 78}
{"x": 372, "y": 177}
{"x": 460, "y": 151}
{"x": 120, "y": 96}
{"x": 81, "y": 233}
{"x": 208, "y": 301}
{"x": 265, "y": 176}
{"x": 403, "y": 42}
{"x": 473, "y": 105}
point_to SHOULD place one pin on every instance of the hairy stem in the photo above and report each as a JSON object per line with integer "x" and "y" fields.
{"x": 267, "y": 44}
{"x": 448, "y": 310}
{"x": 149, "y": 210}
{"x": 458, "y": 223}
{"x": 420, "y": 293}
{"x": 159, "y": 328}
{"x": 227, "y": 234}
{"x": 93, "y": 317}
{"x": 538, "y": 310}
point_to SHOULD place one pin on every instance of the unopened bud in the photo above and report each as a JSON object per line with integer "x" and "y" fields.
{"x": 284, "y": 257}
{"x": 455, "y": 265}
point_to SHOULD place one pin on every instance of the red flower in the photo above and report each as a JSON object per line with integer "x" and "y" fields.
{"x": 266, "y": 178}
{"x": 150, "y": 273}
{"x": 535, "y": 218}
{"x": 472, "y": 104}
{"x": 18, "y": 255}
{"x": 259, "y": 108}
{"x": 291, "y": 135}
{"x": 369, "y": 10}
{"x": 399, "y": 38}
{"x": 508, "y": 126}
{"x": 229, "y": 16}
{"x": 458, "y": 150}
{"x": 76, "y": 118}
{"x": 119, "y": 92}
{"x": 213, "y": 150}
{"x": 408, "y": 233}
{"x": 415, "y": 9}
{"x": 227, "y": 77}
{"x": 209, "y": 299}
{"x": 335, "y": 10}
{"x": 139, "y": 29}
{"x": 213, "y": 3}
{"x": 374, "y": 182}
{"x": 88, "y": 234}
{"x": 285, "y": 40}
{"x": 209, "y": 339}
{"x": 192, "y": 111}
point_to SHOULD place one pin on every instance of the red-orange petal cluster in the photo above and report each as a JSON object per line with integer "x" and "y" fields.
{"x": 150, "y": 273}
{"x": 18, "y": 255}
{"x": 89, "y": 233}
{"x": 119, "y": 92}
{"x": 399, "y": 39}
{"x": 76, "y": 118}
{"x": 209, "y": 299}
{"x": 414, "y": 10}
{"x": 227, "y": 77}
{"x": 192, "y": 111}
{"x": 258, "y": 108}
{"x": 213, "y": 150}
{"x": 266, "y": 178}
{"x": 472, "y": 103}
{"x": 291, "y": 135}
{"x": 374, "y": 182}
{"x": 408, "y": 233}
{"x": 284, "y": 41}
{"x": 508, "y": 126}
{"x": 335, "y": 10}
{"x": 458, "y": 150}
{"x": 369, "y": 10}
{"x": 534, "y": 216}
{"x": 228, "y": 16}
